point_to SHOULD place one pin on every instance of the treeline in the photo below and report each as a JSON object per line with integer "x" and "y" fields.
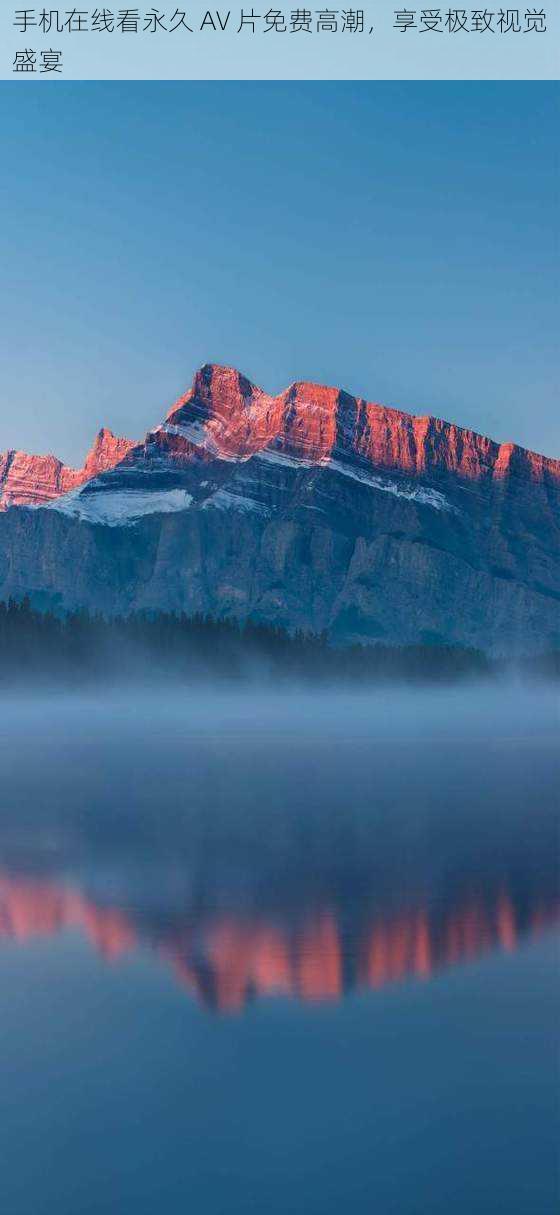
{"x": 80, "y": 647}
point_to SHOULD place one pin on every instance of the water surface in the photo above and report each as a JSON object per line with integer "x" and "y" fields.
{"x": 282, "y": 953}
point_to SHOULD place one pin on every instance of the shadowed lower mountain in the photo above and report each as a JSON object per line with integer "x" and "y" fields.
{"x": 313, "y": 510}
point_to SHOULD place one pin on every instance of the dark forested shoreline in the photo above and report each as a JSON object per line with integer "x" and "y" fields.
{"x": 78, "y": 648}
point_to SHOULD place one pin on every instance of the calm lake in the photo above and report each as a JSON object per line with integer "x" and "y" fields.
{"x": 290, "y": 954}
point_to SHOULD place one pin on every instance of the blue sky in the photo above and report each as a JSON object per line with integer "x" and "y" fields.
{"x": 397, "y": 239}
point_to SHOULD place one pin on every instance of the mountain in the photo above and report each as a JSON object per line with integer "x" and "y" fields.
{"x": 313, "y": 509}
{"x": 36, "y": 480}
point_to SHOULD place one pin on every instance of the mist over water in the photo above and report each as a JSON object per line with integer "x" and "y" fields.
{"x": 299, "y": 946}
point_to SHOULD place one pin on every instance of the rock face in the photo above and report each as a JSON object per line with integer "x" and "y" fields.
{"x": 312, "y": 509}
{"x": 226, "y": 415}
{"x": 35, "y": 480}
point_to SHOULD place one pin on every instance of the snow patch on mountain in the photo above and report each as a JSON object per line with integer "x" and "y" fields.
{"x": 120, "y": 508}
{"x": 223, "y": 499}
{"x": 196, "y": 433}
{"x": 423, "y": 494}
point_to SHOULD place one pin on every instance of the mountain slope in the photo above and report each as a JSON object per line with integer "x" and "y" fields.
{"x": 313, "y": 509}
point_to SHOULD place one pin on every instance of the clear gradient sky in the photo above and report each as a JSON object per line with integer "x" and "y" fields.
{"x": 399, "y": 240}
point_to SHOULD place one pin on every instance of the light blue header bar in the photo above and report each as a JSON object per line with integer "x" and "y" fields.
{"x": 382, "y": 41}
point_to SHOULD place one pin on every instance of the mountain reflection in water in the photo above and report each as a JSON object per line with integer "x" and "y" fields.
{"x": 225, "y": 960}
{"x": 300, "y": 844}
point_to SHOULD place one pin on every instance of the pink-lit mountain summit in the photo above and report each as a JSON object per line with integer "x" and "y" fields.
{"x": 312, "y": 509}
{"x": 35, "y": 480}
{"x": 312, "y": 422}
{"x": 224, "y": 415}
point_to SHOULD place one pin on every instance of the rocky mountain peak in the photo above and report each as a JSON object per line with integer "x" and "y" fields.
{"x": 224, "y": 413}
{"x": 106, "y": 451}
{"x": 225, "y": 416}
{"x": 31, "y": 480}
